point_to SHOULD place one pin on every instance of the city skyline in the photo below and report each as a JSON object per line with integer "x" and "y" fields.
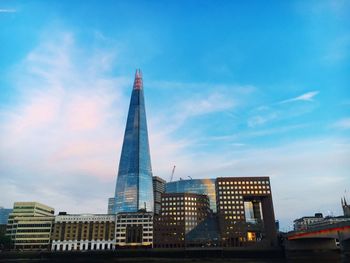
{"x": 232, "y": 90}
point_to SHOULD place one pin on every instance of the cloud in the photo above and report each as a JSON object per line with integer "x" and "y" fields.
{"x": 309, "y": 96}
{"x": 337, "y": 51}
{"x": 343, "y": 124}
{"x": 7, "y": 10}
{"x": 261, "y": 119}
{"x": 64, "y": 127}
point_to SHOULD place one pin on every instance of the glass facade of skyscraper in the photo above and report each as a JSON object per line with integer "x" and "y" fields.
{"x": 195, "y": 186}
{"x": 134, "y": 188}
{"x": 4, "y": 215}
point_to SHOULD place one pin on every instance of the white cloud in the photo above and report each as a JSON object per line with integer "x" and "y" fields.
{"x": 309, "y": 96}
{"x": 7, "y": 10}
{"x": 261, "y": 119}
{"x": 342, "y": 124}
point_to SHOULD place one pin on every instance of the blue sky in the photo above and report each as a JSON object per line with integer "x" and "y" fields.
{"x": 233, "y": 88}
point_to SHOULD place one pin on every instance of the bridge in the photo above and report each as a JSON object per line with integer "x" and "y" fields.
{"x": 331, "y": 236}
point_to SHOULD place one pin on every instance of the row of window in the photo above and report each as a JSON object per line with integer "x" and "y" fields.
{"x": 242, "y": 192}
{"x": 134, "y": 220}
{"x": 182, "y": 203}
{"x": 234, "y": 217}
{"x": 240, "y": 202}
{"x": 119, "y": 235}
{"x": 232, "y": 207}
{"x": 122, "y": 240}
{"x": 248, "y": 187}
{"x": 180, "y": 213}
{"x": 233, "y": 212}
{"x": 34, "y": 236}
{"x": 122, "y": 230}
{"x": 167, "y": 208}
{"x": 242, "y": 182}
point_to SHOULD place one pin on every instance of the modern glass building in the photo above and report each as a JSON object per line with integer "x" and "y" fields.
{"x": 195, "y": 186}
{"x": 4, "y": 215}
{"x": 134, "y": 188}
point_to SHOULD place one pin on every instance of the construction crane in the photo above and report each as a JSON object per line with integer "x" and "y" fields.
{"x": 172, "y": 173}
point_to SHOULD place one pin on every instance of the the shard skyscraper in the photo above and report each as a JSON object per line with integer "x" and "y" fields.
{"x": 134, "y": 188}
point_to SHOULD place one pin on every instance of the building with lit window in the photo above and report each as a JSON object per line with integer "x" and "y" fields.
{"x": 29, "y": 225}
{"x": 134, "y": 229}
{"x": 83, "y": 232}
{"x": 180, "y": 213}
{"x": 158, "y": 190}
{"x": 134, "y": 187}
{"x": 195, "y": 186}
{"x": 245, "y": 210}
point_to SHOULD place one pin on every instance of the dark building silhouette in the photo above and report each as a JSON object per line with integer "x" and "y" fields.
{"x": 180, "y": 214}
{"x": 245, "y": 211}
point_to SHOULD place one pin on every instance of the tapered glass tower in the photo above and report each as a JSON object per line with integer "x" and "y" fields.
{"x": 134, "y": 189}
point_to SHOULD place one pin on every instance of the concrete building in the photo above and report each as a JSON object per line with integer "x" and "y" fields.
{"x": 180, "y": 213}
{"x": 4, "y": 215}
{"x": 134, "y": 229}
{"x": 29, "y": 225}
{"x": 245, "y": 211}
{"x": 158, "y": 189}
{"x": 304, "y": 222}
{"x": 83, "y": 232}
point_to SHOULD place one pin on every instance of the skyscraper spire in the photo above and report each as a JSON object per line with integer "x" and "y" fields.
{"x": 134, "y": 188}
{"x": 138, "y": 83}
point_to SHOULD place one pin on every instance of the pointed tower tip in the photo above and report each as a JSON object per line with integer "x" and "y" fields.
{"x": 138, "y": 83}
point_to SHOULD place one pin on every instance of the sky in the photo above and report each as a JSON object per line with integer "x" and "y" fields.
{"x": 232, "y": 88}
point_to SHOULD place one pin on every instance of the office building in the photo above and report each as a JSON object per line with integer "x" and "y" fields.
{"x": 83, "y": 232}
{"x": 134, "y": 187}
{"x": 245, "y": 211}
{"x": 134, "y": 229}
{"x": 111, "y": 202}
{"x": 4, "y": 215}
{"x": 195, "y": 186}
{"x": 29, "y": 225}
{"x": 304, "y": 222}
{"x": 158, "y": 190}
{"x": 180, "y": 213}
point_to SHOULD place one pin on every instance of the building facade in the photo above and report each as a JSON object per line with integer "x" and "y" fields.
{"x": 158, "y": 190}
{"x": 195, "y": 186}
{"x": 304, "y": 222}
{"x": 111, "y": 202}
{"x": 29, "y": 225}
{"x": 83, "y": 232}
{"x": 180, "y": 213}
{"x": 4, "y": 215}
{"x": 134, "y": 229}
{"x": 134, "y": 188}
{"x": 245, "y": 210}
